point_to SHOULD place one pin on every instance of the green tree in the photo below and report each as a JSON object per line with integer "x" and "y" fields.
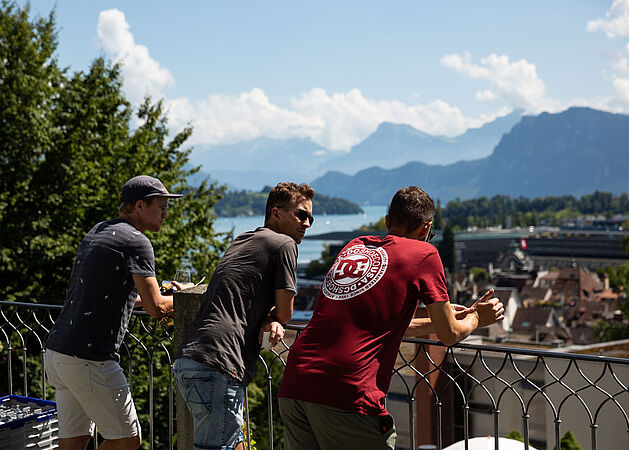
{"x": 484, "y": 212}
{"x": 569, "y": 442}
{"x": 480, "y": 274}
{"x": 436, "y": 221}
{"x": 375, "y": 226}
{"x": 29, "y": 80}
{"x": 606, "y": 330}
{"x": 246, "y": 203}
{"x": 515, "y": 435}
{"x": 321, "y": 266}
{"x": 447, "y": 250}
{"x": 67, "y": 148}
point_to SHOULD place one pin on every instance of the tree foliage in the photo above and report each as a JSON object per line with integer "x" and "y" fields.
{"x": 436, "y": 221}
{"x": 515, "y": 435}
{"x": 67, "y": 148}
{"x": 380, "y": 225}
{"x": 447, "y": 249}
{"x": 479, "y": 273}
{"x": 521, "y": 211}
{"x": 607, "y": 330}
{"x": 319, "y": 267}
{"x": 569, "y": 442}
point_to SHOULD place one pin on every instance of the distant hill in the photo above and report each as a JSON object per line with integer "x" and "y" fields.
{"x": 575, "y": 152}
{"x": 247, "y": 203}
{"x": 393, "y": 145}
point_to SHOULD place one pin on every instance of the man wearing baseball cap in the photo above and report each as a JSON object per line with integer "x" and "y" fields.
{"x": 114, "y": 263}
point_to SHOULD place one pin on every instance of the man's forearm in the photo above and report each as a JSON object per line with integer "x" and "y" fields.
{"x": 451, "y": 327}
{"x": 159, "y": 307}
{"x": 461, "y": 329}
{"x": 420, "y": 326}
{"x": 166, "y": 306}
{"x": 282, "y": 310}
{"x": 466, "y": 326}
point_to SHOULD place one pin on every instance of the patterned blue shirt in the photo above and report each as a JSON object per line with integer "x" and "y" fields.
{"x": 101, "y": 294}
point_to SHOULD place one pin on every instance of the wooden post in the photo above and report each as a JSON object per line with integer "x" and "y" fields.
{"x": 186, "y": 305}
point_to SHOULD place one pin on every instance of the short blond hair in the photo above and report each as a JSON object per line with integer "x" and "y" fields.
{"x": 287, "y": 194}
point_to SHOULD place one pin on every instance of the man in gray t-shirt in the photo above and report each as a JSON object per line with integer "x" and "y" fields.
{"x": 114, "y": 264}
{"x": 250, "y": 292}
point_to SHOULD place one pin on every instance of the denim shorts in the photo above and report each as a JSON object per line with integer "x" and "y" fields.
{"x": 215, "y": 401}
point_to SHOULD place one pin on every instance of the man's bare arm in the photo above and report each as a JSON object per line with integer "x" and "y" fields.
{"x": 154, "y": 303}
{"x": 283, "y": 309}
{"x": 280, "y": 314}
{"x": 422, "y": 326}
{"x": 449, "y": 330}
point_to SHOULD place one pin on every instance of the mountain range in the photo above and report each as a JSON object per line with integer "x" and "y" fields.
{"x": 575, "y": 152}
{"x": 393, "y": 145}
{"x": 265, "y": 161}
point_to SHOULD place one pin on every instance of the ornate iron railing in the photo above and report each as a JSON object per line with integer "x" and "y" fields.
{"x": 438, "y": 395}
{"x": 145, "y": 355}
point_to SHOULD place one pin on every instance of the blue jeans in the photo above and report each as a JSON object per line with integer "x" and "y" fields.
{"x": 215, "y": 401}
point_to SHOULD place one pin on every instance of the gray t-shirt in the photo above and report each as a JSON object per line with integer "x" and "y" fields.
{"x": 101, "y": 294}
{"x": 224, "y": 334}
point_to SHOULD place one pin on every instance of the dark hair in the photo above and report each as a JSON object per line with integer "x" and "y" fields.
{"x": 410, "y": 208}
{"x": 287, "y": 194}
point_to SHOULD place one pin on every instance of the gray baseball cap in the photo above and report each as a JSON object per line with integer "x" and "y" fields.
{"x": 143, "y": 186}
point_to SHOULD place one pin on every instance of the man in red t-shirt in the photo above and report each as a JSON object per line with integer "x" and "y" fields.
{"x": 339, "y": 369}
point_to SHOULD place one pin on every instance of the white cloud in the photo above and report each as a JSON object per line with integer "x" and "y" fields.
{"x": 516, "y": 82}
{"x": 142, "y": 74}
{"x": 336, "y": 120}
{"x": 620, "y": 78}
{"x": 349, "y": 117}
{"x": 231, "y": 118}
{"x": 486, "y": 96}
{"x": 621, "y": 65}
{"x": 616, "y": 21}
{"x": 616, "y": 24}
{"x": 622, "y": 87}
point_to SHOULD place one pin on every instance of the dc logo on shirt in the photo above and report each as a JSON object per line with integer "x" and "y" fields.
{"x": 356, "y": 270}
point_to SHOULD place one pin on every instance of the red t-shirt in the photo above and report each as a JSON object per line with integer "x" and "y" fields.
{"x": 345, "y": 356}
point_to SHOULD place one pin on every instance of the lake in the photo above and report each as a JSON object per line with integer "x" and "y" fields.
{"x": 308, "y": 249}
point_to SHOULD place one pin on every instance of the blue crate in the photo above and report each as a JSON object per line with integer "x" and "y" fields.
{"x": 34, "y": 430}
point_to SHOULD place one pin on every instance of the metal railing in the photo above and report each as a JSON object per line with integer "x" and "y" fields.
{"x": 438, "y": 394}
{"x": 145, "y": 356}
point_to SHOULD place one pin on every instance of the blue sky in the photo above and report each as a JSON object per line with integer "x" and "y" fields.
{"x": 333, "y": 70}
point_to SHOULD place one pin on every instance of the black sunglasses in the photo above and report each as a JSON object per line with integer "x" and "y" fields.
{"x": 302, "y": 215}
